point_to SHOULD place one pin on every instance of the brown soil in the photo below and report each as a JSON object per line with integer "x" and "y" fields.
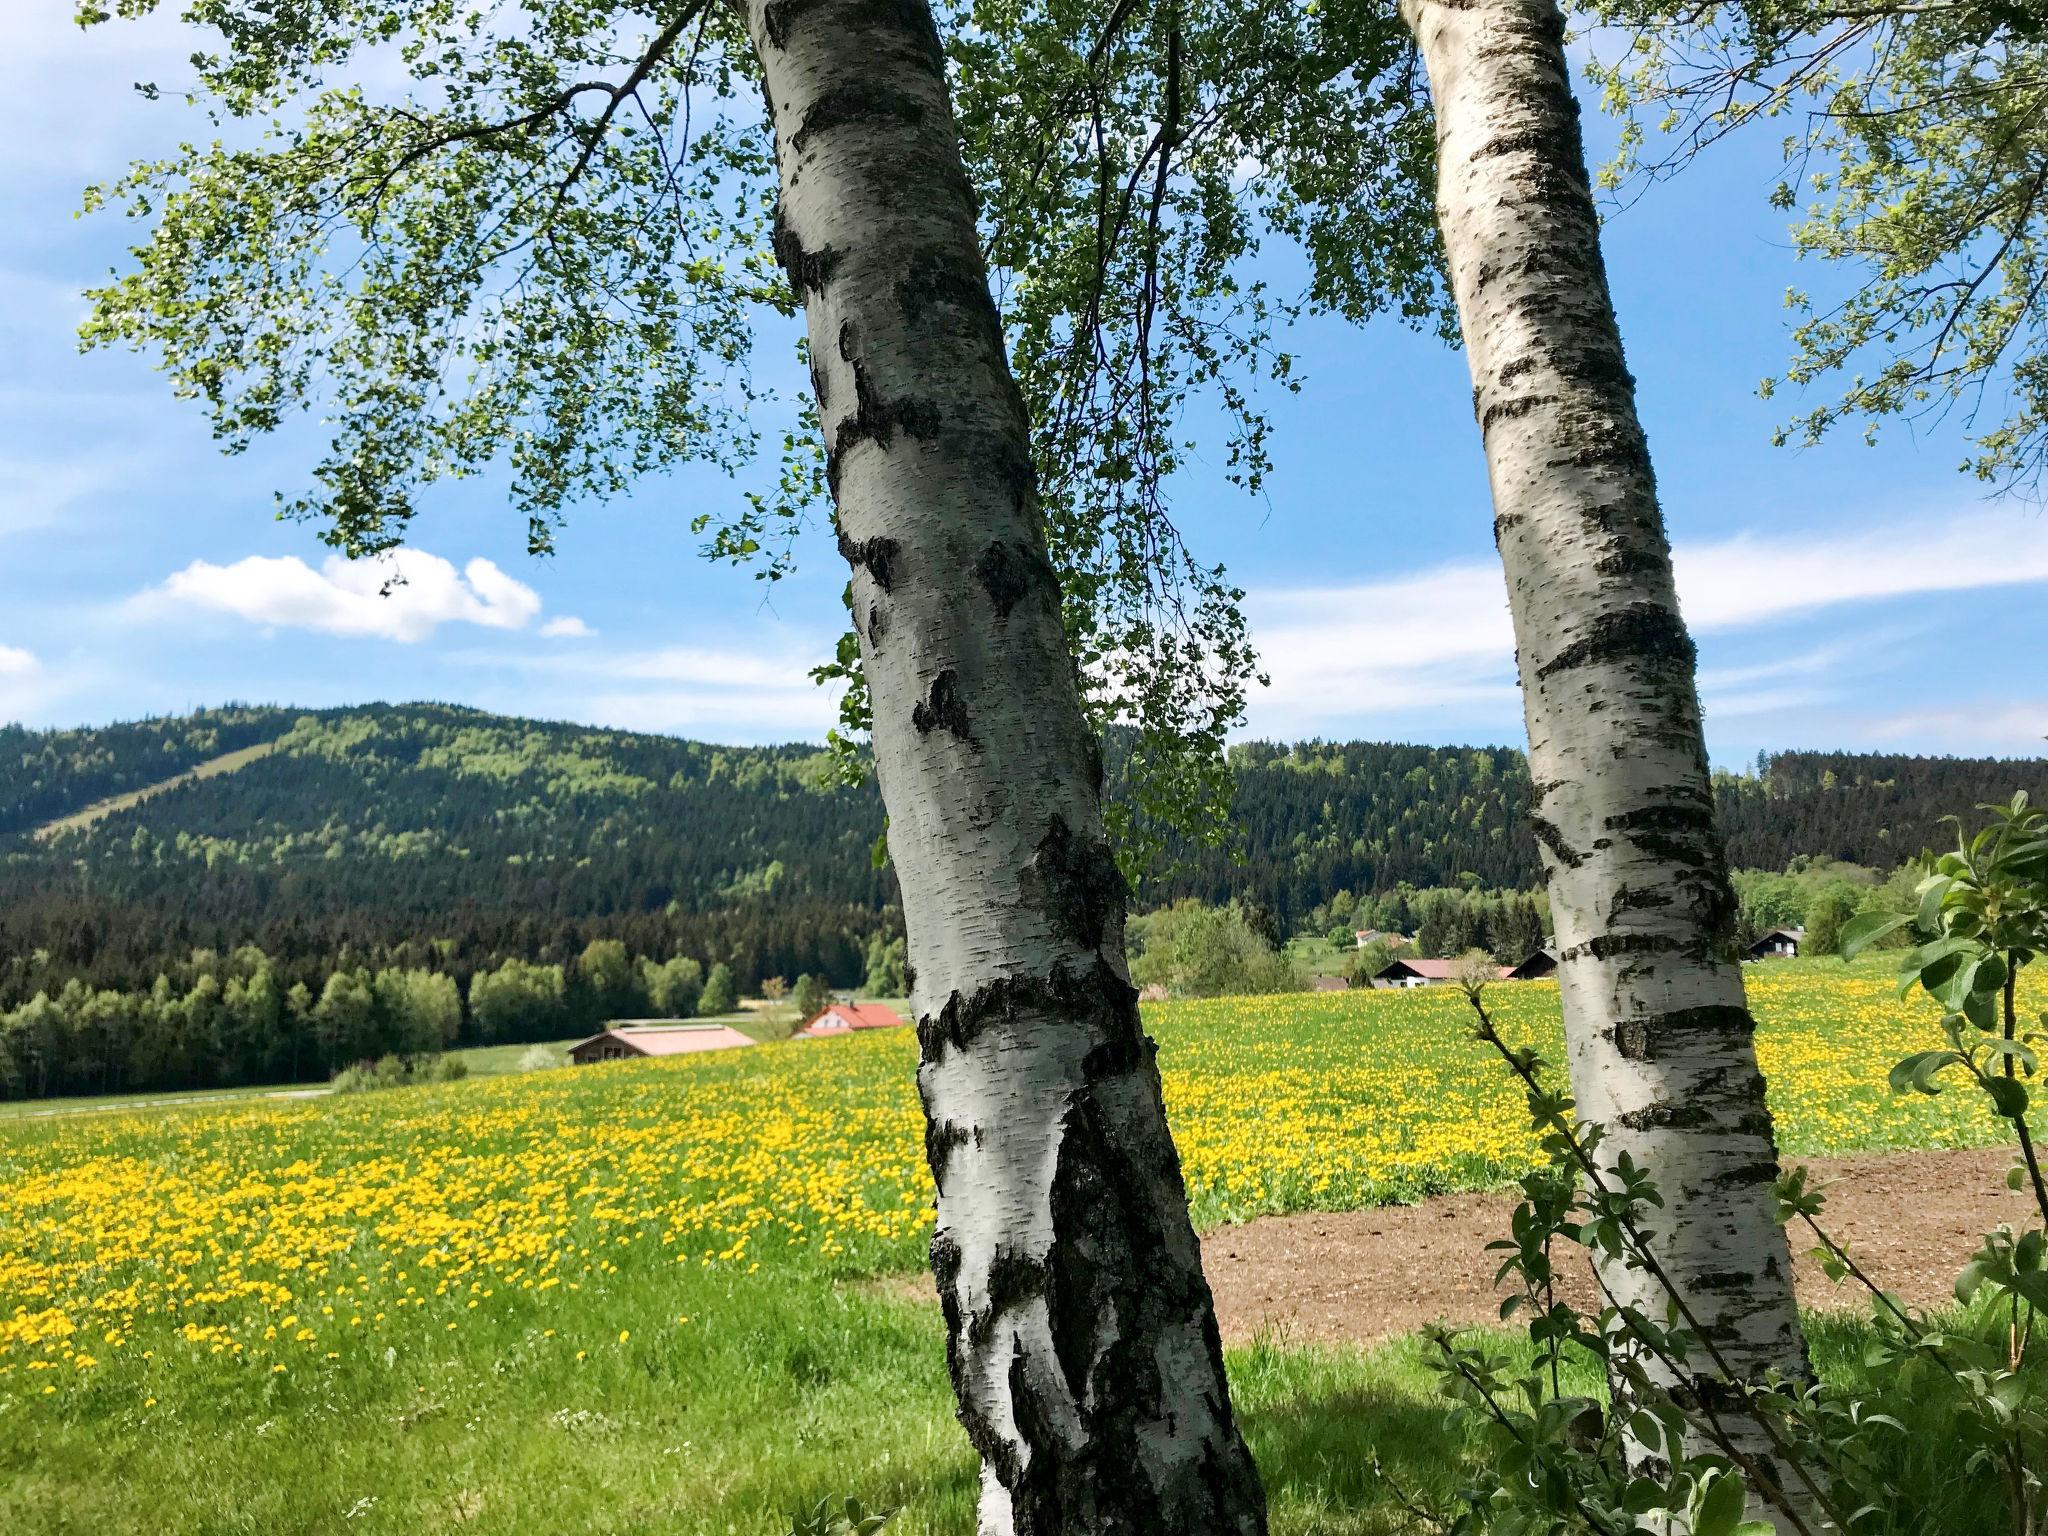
{"x": 1911, "y": 1219}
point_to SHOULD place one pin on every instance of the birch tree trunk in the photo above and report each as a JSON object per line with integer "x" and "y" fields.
{"x": 1081, "y": 1335}
{"x": 1658, "y": 1033}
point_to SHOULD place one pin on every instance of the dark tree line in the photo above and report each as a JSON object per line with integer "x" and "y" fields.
{"x": 429, "y": 838}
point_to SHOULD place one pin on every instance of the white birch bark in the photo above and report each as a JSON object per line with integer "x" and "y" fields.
{"x": 1658, "y": 1032}
{"x": 1081, "y": 1334}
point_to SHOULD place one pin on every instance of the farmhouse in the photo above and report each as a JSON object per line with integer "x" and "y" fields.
{"x": 1367, "y": 936}
{"x": 1428, "y": 973}
{"x": 1413, "y": 973}
{"x": 845, "y": 1018}
{"x": 1779, "y": 942}
{"x": 631, "y": 1038}
{"x": 1534, "y": 967}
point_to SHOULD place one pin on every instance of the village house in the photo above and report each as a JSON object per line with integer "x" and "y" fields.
{"x": 1328, "y": 984}
{"x": 629, "y": 1039}
{"x": 1779, "y": 943}
{"x": 1415, "y": 972}
{"x": 845, "y": 1018}
{"x": 1534, "y": 967}
{"x": 1366, "y": 936}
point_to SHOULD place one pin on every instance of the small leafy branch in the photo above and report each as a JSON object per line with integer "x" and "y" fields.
{"x": 1760, "y": 1458}
{"x": 847, "y": 1518}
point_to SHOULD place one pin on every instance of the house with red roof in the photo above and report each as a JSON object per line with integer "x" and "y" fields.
{"x": 845, "y": 1018}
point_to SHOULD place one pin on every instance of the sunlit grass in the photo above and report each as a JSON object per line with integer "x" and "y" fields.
{"x": 628, "y": 1297}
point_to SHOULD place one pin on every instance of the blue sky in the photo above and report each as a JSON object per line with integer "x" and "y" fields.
{"x": 1843, "y": 596}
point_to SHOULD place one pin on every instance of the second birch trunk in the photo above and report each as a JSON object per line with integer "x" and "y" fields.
{"x": 1659, "y": 1036}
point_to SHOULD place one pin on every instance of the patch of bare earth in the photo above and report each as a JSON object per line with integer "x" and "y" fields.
{"x": 1911, "y": 1219}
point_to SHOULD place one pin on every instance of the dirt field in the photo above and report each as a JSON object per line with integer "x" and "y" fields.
{"x": 1911, "y": 1219}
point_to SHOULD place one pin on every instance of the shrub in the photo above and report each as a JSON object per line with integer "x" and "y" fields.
{"x": 539, "y": 1058}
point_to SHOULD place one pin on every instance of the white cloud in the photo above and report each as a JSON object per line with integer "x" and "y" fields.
{"x": 2017, "y": 727}
{"x": 1754, "y": 578}
{"x": 567, "y": 627}
{"x": 762, "y": 692}
{"x": 15, "y": 662}
{"x": 1439, "y": 642}
{"x": 405, "y": 596}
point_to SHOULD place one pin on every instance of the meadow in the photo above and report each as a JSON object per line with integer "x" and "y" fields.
{"x": 641, "y": 1296}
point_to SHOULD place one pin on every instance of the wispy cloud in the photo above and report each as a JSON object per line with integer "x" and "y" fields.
{"x": 405, "y": 596}
{"x": 1438, "y": 642}
{"x": 567, "y": 627}
{"x": 762, "y": 692}
{"x": 15, "y": 662}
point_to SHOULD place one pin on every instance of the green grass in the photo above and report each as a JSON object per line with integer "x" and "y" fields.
{"x": 668, "y": 1378}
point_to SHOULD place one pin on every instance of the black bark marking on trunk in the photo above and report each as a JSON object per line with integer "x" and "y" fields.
{"x": 943, "y": 280}
{"x": 1547, "y": 833}
{"x": 1665, "y": 1117}
{"x": 942, "y": 706}
{"x": 1609, "y": 946}
{"x": 1512, "y": 408}
{"x": 1748, "y": 1176}
{"x": 1644, "y": 634}
{"x": 874, "y": 419}
{"x": 867, "y": 104}
{"x": 1077, "y": 884}
{"x": 1014, "y": 1280}
{"x": 1019, "y": 474}
{"x": 809, "y": 271}
{"x": 1639, "y": 898}
{"x": 1634, "y": 560}
{"x": 1095, "y": 993}
{"x": 940, "y": 1140}
{"x": 878, "y": 625}
{"x": 860, "y": 17}
{"x": 1008, "y": 571}
{"x": 1505, "y": 523}
{"x": 876, "y": 556}
{"x": 1682, "y": 1031}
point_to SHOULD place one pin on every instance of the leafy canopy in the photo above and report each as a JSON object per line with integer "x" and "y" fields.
{"x": 538, "y": 233}
{"x": 1914, "y": 162}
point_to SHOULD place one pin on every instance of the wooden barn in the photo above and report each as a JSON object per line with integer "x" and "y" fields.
{"x": 1778, "y": 944}
{"x": 1534, "y": 967}
{"x": 630, "y": 1039}
{"x": 845, "y": 1018}
{"x": 1328, "y": 984}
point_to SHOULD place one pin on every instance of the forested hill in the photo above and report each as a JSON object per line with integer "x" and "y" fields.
{"x": 485, "y": 835}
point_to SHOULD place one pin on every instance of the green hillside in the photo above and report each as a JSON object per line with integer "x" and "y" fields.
{"x": 313, "y": 832}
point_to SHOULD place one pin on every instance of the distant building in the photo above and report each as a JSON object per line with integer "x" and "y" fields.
{"x": 1328, "y": 984}
{"x": 1534, "y": 967}
{"x": 629, "y": 1039}
{"x": 1367, "y": 936}
{"x": 1412, "y": 973}
{"x": 845, "y": 1018}
{"x": 1779, "y": 943}
{"x": 1424, "y": 973}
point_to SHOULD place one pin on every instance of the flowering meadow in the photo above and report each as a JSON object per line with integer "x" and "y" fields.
{"x": 675, "y": 1249}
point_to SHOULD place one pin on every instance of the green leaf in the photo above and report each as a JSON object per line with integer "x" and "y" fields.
{"x": 1917, "y": 1071}
{"x": 2008, "y": 1095}
{"x": 1719, "y": 1512}
{"x": 1859, "y": 933}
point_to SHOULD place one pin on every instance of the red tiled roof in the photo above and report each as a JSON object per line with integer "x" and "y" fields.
{"x": 841, "y": 1017}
